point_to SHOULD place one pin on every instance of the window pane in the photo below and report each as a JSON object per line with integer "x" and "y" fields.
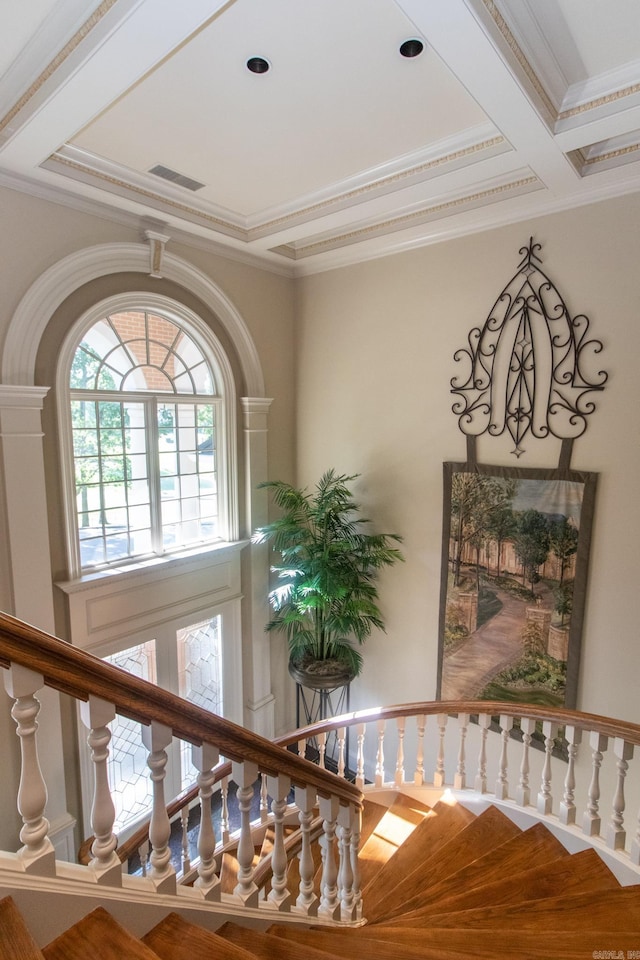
{"x": 128, "y": 771}
{"x": 199, "y": 676}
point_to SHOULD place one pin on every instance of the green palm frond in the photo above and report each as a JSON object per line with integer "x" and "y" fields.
{"x": 325, "y": 602}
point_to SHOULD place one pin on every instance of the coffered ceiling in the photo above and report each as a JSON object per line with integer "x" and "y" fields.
{"x": 343, "y": 150}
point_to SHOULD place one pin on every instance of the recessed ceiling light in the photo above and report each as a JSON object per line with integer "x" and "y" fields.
{"x": 412, "y": 48}
{"x": 258, "y": 65}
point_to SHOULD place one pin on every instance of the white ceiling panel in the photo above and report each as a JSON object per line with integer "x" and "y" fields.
{"x": 344, "y": 149}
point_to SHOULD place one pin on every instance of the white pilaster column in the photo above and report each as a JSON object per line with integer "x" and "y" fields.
{"x": 259, "y": 700}
{"x": 28, "y": 592}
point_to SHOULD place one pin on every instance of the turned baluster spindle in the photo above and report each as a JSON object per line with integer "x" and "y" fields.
{"x": 459, "y": 781}
{"x": 523, "y": 793}
{"x": 245, "y": 775}
{"x": 342, "y": 739}
{"x": 439, "y": 775}
{"x": 156, "y": 738}
{"x": 322, "y": 749}
{"x": 278, "y": 788}
{"x": 264, "y": 798}
{"x": 567, "y": 811}
{"x": 204, "y": 759}
{"x": 95, "y": 715}
{"x": 302, "y": 748}
{"x": 37, "y": 854}
{"x": 484, "y": 722}
{"x": 399, "y": 774}
{"x": 307, "y": 901}
{"x": 356, "y": 827}
{"x": 545, "y": 799}
{"x": 616, "y": 834}
{"x": 184, "y": 826}
{"x": 379, "y": 775}
{"x": 329, "y": 904}
{"x": 361, "y": 728}
{"x": 418, "y": 776}
{"x": 502, "y": 783}
{"x": 345, "y": 871}
{"x": 224, "y": 810}
{"x": 591, "y": 819}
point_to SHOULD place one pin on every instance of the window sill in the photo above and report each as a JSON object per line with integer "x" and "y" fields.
{"x": 171, "y": 563}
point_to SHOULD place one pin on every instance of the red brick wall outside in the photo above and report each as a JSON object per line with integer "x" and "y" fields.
{"x": 130, "y": 326}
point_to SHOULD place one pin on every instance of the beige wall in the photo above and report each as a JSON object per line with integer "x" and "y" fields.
{"x": 375, "y": 357}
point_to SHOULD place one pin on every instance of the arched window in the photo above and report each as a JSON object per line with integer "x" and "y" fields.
{"x": 146, "y": 424}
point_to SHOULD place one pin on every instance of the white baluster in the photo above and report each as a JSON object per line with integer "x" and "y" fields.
{"x": 399, "y": 775}
{"x": 307, "y": 901}
{"x": 105, "y": 865}
{"x": 360, "y": 756}
{"x": 356, "y": 826}
{"x": 345, "y": 871}
{"x": 245, "y": 775}
{"x": 439, "y": 775}
{"x": 523, "y": 793}
{"x": 341, "y": 737}
{"x": 184, "y": 824}
{"x": 616, "y": 834}
{"x": 224, "y": 810}
{"x": 37, "y": 855}
{"x": 329, "y": 904}
{"x": 502, "y": 783}
{"x": 278, "y": 788}
{"x": 322, "y": 749}
{"x": 418, "y": 777}
{"x": 567, "y": 812}
{"x": 591, "y": 818}
{"x": 484, "y": 722}
{"x": 264, "y": 798}
{"x": 545, "y": 800}
{"x": 302, "y": 748}
{"x": 143, "y": 853}
{"x": 156, "y": 738}
{"x": 204, "y": 759}
{"x": 379, "y": 780}
{"x": 459, "y": 781}
{"x": 634, "y": 852}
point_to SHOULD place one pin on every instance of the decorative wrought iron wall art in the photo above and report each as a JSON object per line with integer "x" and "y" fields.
{"x": 528, "y": 367}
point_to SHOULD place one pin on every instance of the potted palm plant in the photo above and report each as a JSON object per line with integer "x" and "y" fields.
{"x": 326, "y": 599}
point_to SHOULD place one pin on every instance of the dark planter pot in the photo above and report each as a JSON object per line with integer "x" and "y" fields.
{"x": 321, "y": 674}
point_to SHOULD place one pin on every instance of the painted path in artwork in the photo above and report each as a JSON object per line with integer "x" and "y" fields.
{"x": 494, "y": 646}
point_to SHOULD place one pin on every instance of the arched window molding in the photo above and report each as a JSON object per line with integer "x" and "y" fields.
{"x": 215, "y": 354}
{"x": 58, "y": 282}
{"x": 18, "y": 367}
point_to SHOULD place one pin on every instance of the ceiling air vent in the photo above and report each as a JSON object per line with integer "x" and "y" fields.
{"x": 174, "y": 177}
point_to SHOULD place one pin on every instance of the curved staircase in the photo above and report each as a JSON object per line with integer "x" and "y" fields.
{"x": 439, "y": 883}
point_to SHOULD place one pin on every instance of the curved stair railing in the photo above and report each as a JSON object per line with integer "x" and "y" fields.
{"x": 33, "y": 659}
{"x": 571, "y": 766}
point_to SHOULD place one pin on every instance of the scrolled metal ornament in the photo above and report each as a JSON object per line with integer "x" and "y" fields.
{"x": 528, "y": 365}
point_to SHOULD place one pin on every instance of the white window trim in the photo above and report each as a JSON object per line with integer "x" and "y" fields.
{"x": 227, "y": 445}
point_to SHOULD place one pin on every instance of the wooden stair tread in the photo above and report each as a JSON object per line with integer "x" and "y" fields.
{"x": 390, "y": 831}
{"x": 537, "y": 844}
{"x": 265, "y": 947}
{"x": 177, "y": 939}
{"x": 491, "y": 944}
{"x": 580, "y": 873}
{"x": 343, "y": 946}
{"x": 16, "y": 943}
{"x": 600, "y": 910}
{"x": 485, "y": 833}
{"x": 98, "y": 937}
{"x": 440, "y": 825}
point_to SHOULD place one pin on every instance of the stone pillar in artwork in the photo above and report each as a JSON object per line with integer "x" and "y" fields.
{"x": 469, "y": 606}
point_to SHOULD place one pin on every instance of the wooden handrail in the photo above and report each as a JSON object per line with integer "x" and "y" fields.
{"x": 629, "y": 732}
{"x": 79, "y": 674}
